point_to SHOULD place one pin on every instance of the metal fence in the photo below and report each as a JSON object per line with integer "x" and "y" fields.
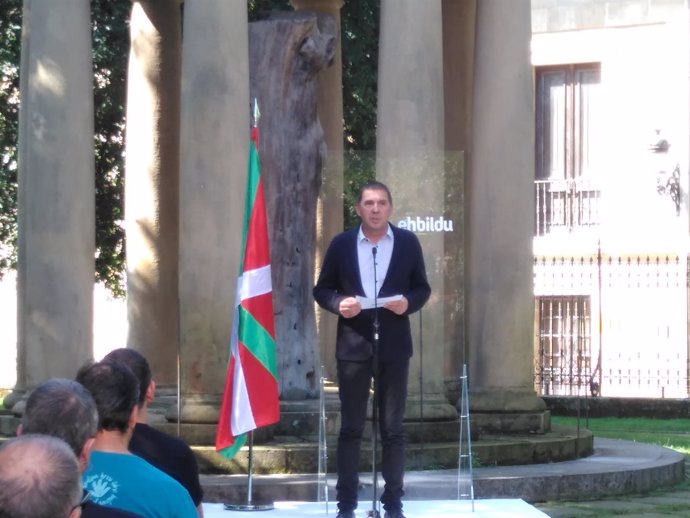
{"x": 611, "y": 325}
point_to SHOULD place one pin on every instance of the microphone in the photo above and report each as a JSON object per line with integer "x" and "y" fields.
{"x": 374, "y": 250}
{"x": 374, "y": 512}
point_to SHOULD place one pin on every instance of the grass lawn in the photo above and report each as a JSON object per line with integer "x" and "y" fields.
{"x": 671, "y": 433}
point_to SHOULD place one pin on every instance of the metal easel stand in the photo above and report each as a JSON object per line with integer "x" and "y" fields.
{"x": 421, "y": 393}
{"x": 375, "y": 511}
{"x": 465, "y": 475}
{"x": 322, "y": 481}
{"x": 250, "y": 505}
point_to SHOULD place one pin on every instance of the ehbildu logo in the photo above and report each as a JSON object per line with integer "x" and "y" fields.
{"x": 427, "y": 224}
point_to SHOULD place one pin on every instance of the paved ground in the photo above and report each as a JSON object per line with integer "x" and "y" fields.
{"x": 672, "y": 502}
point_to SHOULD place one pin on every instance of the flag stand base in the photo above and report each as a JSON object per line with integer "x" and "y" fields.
{"x": 248, "y": 507}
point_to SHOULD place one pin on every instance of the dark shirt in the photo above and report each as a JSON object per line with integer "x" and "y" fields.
{"x": 170, "y": 455}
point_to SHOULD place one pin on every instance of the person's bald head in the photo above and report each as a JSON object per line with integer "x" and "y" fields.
{"x": 39, "y": 478}
{"x": 62, "y": 408}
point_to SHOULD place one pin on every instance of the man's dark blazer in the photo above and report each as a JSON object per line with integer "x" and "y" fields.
{"x": 340, "y": 278}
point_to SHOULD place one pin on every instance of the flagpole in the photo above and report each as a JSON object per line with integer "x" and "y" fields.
{"x": 250, "y": 469}
{"x": 179, "y": 372}
{"x": 249, "y": 505}
{"x": 323, "y": 446}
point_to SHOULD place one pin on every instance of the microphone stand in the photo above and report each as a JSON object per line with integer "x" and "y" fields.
{"x": 374, "y": 512}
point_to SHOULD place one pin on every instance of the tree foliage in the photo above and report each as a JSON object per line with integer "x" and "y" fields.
{"x": 110, "y": 45}
{"x": 360, "y": 35}
{"x": 258, "y": 9}
{"x": 10, "y": 49}
{"x": 110, "y": 54}
{"x": 360, "y": 23}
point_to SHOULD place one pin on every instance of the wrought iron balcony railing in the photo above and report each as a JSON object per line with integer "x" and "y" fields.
{"x": 566, "y": 205}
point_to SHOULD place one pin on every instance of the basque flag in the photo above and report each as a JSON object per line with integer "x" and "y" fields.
{"x": 250, "y": 399}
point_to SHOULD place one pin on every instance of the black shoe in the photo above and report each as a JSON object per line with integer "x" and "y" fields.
{"x": 345, "y": 514}
{"x": 397, "y": 513}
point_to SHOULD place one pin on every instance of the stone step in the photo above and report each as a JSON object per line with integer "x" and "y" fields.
{"x": 204, "y": 434}
{"x": 300, "y": 454}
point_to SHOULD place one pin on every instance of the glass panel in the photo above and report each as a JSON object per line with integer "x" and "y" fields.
{"x": 554, "y": 124}
{"x": 427, "y": 200}
{"x": 587, "y": 124}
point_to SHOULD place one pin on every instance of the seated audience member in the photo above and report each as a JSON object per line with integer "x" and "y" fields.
{"x": 39, "y": 478}
{"x": 65, "y": 409}
{"x": 169, "y": 454}
{"x": 116, "y": 477}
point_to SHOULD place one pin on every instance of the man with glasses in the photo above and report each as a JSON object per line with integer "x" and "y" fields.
{"x": 39, "y": 478}
{"x": 65, "y": 409}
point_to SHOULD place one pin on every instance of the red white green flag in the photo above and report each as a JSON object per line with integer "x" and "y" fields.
{"x": 250, "y": 399}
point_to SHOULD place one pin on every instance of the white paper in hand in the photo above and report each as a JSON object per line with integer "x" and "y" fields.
{"x": 369, "y": 303}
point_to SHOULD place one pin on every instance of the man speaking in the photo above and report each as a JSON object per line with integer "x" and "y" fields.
{"x": 372, "y": 274}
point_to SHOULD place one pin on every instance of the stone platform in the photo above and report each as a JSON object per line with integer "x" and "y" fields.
{"x": 615, "y": 468}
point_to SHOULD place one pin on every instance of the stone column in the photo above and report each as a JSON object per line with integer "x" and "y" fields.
{"x": 329, "y": 212}
{"x": 499, "y": 213}
{"x": 410, "y": 160}
{"x": 151, "y": 187}
{"x": 458, "y": 74}
{"x": 56, "y": 192}
{"x": 213, "y": 172}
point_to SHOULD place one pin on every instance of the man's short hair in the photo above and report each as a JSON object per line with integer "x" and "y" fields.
{"x": 374, "y": 185}
{"x": 39, "y": 478}
{"x": 115, "y": 390}
{"x": 62, "y": 408}
{"x": 137, "y": 363}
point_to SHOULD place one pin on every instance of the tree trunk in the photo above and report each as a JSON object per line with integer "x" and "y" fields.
{"x": 286, "y": 52}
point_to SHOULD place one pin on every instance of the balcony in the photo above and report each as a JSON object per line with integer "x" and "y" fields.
{"x": 566, "y": 205}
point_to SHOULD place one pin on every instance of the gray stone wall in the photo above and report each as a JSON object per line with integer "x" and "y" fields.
{"x": 670, "y": 408}
{"x": 568, "y": 15}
